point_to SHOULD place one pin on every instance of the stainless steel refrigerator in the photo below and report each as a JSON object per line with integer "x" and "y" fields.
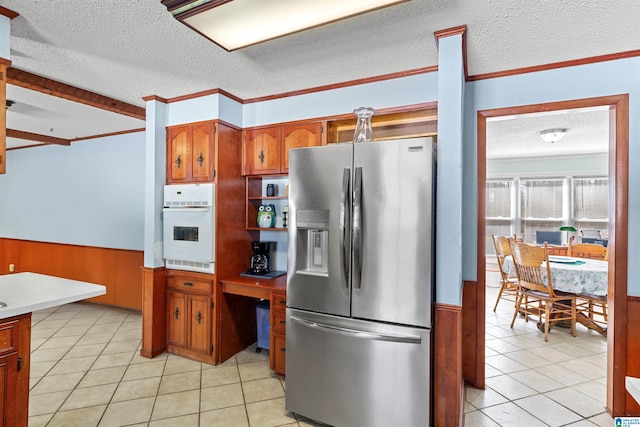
{"x": 360, "y": 283}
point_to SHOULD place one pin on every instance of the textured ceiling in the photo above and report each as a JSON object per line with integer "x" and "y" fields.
{"x": 517, "y": 136}
{"x": 129, "y": 49}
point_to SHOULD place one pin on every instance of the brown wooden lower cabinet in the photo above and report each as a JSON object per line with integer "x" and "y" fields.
{"x": 14, "y": 370}
{"x": 190, "y": 315}
{"x": 277, "y": 354}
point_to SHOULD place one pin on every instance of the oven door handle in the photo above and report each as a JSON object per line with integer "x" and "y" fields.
{"x": 194, "y": 209}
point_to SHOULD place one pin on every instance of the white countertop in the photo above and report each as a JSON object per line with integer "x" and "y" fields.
{"x": 27, "y": 292}
{"x": 633, "y": 387}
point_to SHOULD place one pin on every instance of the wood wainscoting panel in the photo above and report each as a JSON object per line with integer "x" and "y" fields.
{"x": 154, "y": 307}
{"x": 128, "y": 280}
{"x": 448, "y": 388}
{"x": 116, "y": 269}
{"x": 9, "y": 254}
{"x": 633, "y": 350}
{"x": 472, "y": 336}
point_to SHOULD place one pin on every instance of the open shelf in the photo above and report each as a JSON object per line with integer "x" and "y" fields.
{"x": 256, "y": 195}
{"x": 406, "y": 124}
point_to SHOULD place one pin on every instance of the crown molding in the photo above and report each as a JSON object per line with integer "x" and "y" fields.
{"x": 357, "y": 82}
{"x": 556, "y": 65}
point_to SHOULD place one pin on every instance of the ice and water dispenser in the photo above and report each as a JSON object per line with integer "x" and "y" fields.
{"x": 313, "y": 238}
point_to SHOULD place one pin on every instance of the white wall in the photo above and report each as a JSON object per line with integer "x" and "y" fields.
{"x": 90, "y": 193}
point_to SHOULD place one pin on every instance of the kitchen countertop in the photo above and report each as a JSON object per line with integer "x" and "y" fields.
{"x": 633, "y": 387}
{"x": 27, "y": 292}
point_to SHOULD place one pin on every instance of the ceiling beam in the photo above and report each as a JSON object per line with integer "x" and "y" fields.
{"x": 61, "y": 90}
{"x": 19, "y": 134}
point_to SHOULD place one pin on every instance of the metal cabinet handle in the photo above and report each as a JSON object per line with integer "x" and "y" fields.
{"x": 261, "y": 156}
{"x": 188, "y": 284}
{"x": 283, "y": 322}
{"x": 199, "y": 316}
{"x": 178, "y": 161}
{"x": 176, "y": 313}
{"x": 200, "y": 160}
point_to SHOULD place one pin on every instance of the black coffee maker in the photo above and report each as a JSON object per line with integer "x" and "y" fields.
{"x": 261, "y": 258}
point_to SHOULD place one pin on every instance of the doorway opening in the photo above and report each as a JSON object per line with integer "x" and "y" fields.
{"x": 617, "y": 107}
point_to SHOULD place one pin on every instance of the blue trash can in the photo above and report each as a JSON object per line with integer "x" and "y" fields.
{"x": 262, "y": 322}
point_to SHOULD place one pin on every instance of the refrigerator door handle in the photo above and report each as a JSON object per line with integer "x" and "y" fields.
{"x": 344, "y": 225}
{"x": 409, "y": 339}
{"x": 357, "y": 229}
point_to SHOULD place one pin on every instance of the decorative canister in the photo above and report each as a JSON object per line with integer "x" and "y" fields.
{"x": 363, "y": 132}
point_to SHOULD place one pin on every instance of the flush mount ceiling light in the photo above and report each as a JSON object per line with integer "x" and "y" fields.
{"x": 234, "y": 24}
{"x": 552, "y": 135}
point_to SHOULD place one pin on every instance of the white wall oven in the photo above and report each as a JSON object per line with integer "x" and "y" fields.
{"x": 189, "y": 227}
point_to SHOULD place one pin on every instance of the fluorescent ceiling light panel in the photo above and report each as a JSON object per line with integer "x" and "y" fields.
{"x": 241, "y": 23}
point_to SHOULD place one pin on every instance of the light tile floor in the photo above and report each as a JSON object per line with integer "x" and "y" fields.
{"x": 530, "y": 382}
{"x": 86, "y": 371}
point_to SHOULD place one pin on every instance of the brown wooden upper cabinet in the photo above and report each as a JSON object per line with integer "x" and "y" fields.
{"x": 262, "y": 151}
{"x": 298, "y": 136}
{"x": 266, "y": 150}
{"x": 190, "y": 153}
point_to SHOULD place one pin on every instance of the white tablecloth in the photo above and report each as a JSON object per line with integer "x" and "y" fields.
{"x": 592, "y": 277}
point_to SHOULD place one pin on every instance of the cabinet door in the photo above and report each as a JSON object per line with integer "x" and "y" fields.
{"x": 298, "y": 136}
{"x": 176, "y": 319}
{"x": 202, "y": 162}
{"x": 178, "y": 152}
{"x": 8, "y": 404}
{"x": 277, "y": 351}
{"x": 200, "y": 324}
{"x": 262, "y": 151}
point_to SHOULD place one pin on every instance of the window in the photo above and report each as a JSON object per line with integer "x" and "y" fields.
{"x": 499, "y": 216}
{"x": 521, "y": 206}
{"x": 591, "y": 204}
{"x": 541, "y": 206}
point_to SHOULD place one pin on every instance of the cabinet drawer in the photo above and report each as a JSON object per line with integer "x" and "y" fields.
{"x": 8, "y": 337}
{"x": 278, "y": 322}
{"x": 278, "y": 302}
{"x": 189, "y": 284}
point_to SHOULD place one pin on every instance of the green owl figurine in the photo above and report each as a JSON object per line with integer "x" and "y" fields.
{"x": 266, "y": 216}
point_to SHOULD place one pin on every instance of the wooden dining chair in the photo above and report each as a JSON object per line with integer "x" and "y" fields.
{"x": 587, "y": 250}
{"x": 508, "y": 284}
{"x": 533, "y": 296}
{"x": 593, "y": 306}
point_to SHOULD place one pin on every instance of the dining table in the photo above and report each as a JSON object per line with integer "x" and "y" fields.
{"x": 573, "y": 275}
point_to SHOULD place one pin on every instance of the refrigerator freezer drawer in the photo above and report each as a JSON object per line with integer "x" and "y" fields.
{"x": 347, "y": 372}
